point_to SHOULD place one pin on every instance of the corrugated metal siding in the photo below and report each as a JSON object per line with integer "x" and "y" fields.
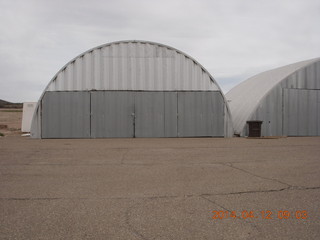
{"x": 270, "y": 112}
{"x": 200, "y": 114}
{"x": 301, "y": 112}
{"x": 66, "y": 115}
{"x": 245, "y": 98}
{"x": 150, "y": 114}
{"x": 112, "y": 114}
{"x": 268, "y": 107}
{"x": 132, "y": 66}
{"x": 305, "y": 78}
{"x": 274, "y": 108}
{"x": 100, "y": 114}
{"x": 219, "y": 115}
{"x": 170, "y": 114}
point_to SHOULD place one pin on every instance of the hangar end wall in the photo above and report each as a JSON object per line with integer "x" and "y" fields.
{"x": 109, "y": 114}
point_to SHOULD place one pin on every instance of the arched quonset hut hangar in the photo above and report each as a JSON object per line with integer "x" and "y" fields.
{"x": 132, "y": 89}
{"x": 286, "y": 99}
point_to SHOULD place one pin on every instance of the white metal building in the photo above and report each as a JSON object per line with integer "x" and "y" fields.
{"x": 27, "y": 114}
{"x": 132, "y": 89}
{"x": 286, "y": 99}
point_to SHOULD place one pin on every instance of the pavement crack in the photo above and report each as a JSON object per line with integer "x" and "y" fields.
{"x": 289, "y": 188}
{"x": 254, "y": 191}
{"x": 255, "y": 175}
{"x": 209, "y": 200}
{"x": 29, "y": 199}
{"x": 130, "y": 226}
{"x": 203, "y": 195}
{"x": 303, "y": 188}
{"x": 123, "y": 156}
{"x": 226, "y": 209}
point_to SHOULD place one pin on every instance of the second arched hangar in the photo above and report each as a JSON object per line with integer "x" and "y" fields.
{"x": 286, "y": 99}
{"x": 132, "y": 89}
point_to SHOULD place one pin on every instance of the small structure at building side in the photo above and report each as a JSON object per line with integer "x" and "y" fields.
{"x": 27, "y": 114}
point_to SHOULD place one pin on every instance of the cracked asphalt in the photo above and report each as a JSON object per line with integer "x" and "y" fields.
{"x": 159, "y": 188}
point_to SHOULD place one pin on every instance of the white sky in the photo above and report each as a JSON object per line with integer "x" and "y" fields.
{"x": 232, "y": 39}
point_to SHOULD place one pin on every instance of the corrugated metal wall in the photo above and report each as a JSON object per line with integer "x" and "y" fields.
{"x": 291, "y": 108}
{"x": 244, "y": 98}
{"x": 112, "y": 114}
{"x": 132, "y": 66}
{"x": 301, "y": 112}
{"x": 270, "y": 112}
{"x": 156, "y": 114}
{"x": 100, "y": 114}
{"x": 200, "y": 114}
{"x": 66, "y": 115}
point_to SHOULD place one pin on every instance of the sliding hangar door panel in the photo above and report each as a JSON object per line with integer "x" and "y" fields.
{"x": 171, "y": 114}
{"x": 301, "y": 114}
{"x": 133, "y": 114}
{"x": 66, "y": 115}
{"x": 155, "y": 114}
{"x": 112, "y": 114}
{"x": 200, "y": 114}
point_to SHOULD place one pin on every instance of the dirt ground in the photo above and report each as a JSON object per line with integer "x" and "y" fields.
{"x": 192, "y": 188}
{"x": 10, "y": 121}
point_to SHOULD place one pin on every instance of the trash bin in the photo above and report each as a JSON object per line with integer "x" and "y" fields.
{"x": 254, "y": 128}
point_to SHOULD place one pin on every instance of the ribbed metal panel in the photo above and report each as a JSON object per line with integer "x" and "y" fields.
{"x": 112, "y": 114}
{"x": 156, "y": 114}
{"x": 200, "y": 114}
{"x": 270, "y": 112}
{"x": 246, "y": 97}
{"x": 66, "y": 115}
{"x": 131, "y": 66}
{"x": 170, "y": 114}
{"x": 261, "y": 97}
{"x": 102, "y": 114}
{"x": 150, "y": 114}
{"x": 301, "y": 112}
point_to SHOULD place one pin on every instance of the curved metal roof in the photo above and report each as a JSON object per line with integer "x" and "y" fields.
{"x": 244, "y": 98}
{"x": 131, "y": 65}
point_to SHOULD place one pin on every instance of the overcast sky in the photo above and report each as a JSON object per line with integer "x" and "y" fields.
{"x": 232, "y": 39}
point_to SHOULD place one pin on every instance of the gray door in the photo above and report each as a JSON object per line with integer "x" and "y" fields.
{"x": 301, "y": 113}
{"x": 171, "y": 114}
{"x": 103, "y": 114}
{"x": 66, "y": 115}
{"x": 200, "y": 114}
{"x": 112, "y": 114}
{"x": 149, "y": 114}
{"x": 155, "y": 114}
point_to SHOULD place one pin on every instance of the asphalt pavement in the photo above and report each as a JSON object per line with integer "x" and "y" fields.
{"x": 192, "y": 188}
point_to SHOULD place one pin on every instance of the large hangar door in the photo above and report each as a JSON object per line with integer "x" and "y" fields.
{"x": 155, "y": 114}
{"x": 149, "y": 114}
{"x": 301, "y": 113}
{"x": 200, "y": 114}
{"x": 104, "y": 114}
{"x": 112, "y": 114}
{"x": 66, "y": 115}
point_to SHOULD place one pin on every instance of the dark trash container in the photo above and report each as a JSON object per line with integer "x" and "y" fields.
{"x": 254, "y": 128}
